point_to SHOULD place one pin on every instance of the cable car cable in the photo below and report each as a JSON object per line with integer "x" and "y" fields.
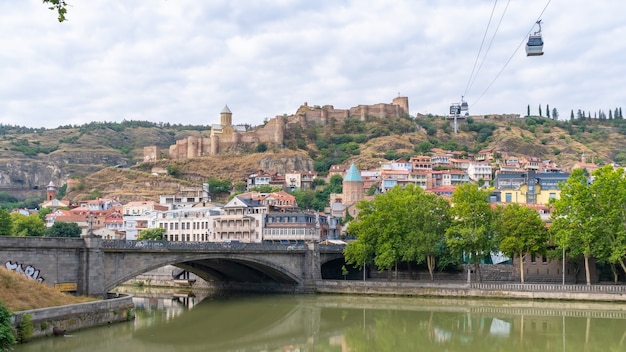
{"x": 481, "y": 47}
{"x": 488, "y": 47}
{"x": 513, "y": 55}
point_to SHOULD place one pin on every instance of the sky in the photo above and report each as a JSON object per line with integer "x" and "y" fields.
{"x": 182, "y": 61}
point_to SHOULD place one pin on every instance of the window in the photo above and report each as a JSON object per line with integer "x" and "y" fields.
{"x": 508, "y": 197}
{"x": 552, "y": 195}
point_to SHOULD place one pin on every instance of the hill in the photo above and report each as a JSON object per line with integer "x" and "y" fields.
{"x": 29, "y": 159}
{"x": 13, "y": 286}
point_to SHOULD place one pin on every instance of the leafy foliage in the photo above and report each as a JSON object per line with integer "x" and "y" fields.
{"x": 520, "y": 232}
{"x": 155, "y": 234}
{"x": 63, "y": 229}
{"x": 30, "y": 225}
{"x": 471, "y": 232}
{"x": 6, "y": 223}
{"x": 7, "y": 339}
{"x": 404, "y": 224}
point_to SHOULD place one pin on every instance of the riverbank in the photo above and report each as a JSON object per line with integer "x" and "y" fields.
{"x": 59, "y": 320}
{"x": 599, "y": 293}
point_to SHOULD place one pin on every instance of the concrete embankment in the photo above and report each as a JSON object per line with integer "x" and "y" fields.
{"x": 58, "y": 320}
{"x": 601, "y": 293}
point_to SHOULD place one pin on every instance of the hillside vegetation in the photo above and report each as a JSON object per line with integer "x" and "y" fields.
{"x": 366, "y": 143}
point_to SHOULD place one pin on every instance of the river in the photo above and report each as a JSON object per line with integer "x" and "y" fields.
{"x": 184, "y": 322}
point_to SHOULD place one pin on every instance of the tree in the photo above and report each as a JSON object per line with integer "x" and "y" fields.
{"x": 218, "y": 186}
{"x": 43, "y": 212}
{"x": 261, "y": 148}
{"x": 555, "y": 114}
{"x": 60, "y": 6}
{"x": 540, "y": 115}
{"x": 7, "y": 339}
{"x": 404, "y": 224}
{"x": 30, "y": 225}
{"x": 573, "y": 227}
{"x": 548, "y": 110}
{"x": 571, "y": 116}
{"x": 521, "y": 232}
{"x": 471, "y": 229}
{"x": 429, "y": 217}
{"x": 152, "y": 234}
{"x": 63, "y": 229}
{"x": 528, "y": 110}
{"x": 609, "y": 193}
{"x": 6, "y": 224}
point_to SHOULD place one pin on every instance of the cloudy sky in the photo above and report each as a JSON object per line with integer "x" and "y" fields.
{"x": 181, "y": 61}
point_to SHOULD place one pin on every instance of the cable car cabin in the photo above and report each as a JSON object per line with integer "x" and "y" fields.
{"x": 534, "y": 47}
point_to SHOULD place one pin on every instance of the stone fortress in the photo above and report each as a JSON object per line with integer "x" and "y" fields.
{"x": 226, "y": 137}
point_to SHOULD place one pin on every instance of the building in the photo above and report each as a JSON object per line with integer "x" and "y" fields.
{"x": 241, "y": 220}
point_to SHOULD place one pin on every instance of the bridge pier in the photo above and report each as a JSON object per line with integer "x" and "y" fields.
{"x": 91, "y": 268}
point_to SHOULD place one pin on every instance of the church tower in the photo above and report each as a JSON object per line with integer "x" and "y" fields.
{"x": 352, "y": 186}
{"x": 226, "y": 117}
{"x": 51, "y": 191}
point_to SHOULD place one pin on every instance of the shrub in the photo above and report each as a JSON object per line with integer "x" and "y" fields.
{"x": 25, "y": 329}
{"x": 6, "y": 329}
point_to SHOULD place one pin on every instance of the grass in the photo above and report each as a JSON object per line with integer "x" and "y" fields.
{"x": 18, "y": 293}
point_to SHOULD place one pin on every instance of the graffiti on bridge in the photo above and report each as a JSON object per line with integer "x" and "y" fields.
{"x": 29, "y": 271}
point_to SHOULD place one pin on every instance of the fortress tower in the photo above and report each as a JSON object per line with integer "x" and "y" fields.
{"x": 403, "y": 103}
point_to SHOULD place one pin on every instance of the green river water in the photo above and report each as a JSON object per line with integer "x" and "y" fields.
{"x": 184, "y": 323}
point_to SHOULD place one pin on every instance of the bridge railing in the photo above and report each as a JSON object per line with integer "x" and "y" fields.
{"x": 201, "y": 246}
{"x": 546, "y": 287}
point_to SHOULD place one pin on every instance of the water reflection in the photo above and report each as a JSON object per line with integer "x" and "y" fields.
{"x": 184, "y": 322}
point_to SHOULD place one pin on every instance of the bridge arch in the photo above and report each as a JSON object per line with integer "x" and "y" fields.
{"x": 225, "y": 267}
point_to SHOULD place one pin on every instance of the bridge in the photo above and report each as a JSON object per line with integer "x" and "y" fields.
{"x": 93, "y": 266}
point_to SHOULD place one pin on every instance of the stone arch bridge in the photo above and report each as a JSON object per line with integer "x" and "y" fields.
{"x": 93, "y": 266}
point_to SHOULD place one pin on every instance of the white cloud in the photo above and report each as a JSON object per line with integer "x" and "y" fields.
{"x": 181, "y": 61}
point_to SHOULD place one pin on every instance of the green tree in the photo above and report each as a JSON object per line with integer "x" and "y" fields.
{"x": 218, "y": 186}
{"x": 428, "y": 217}
{"x": 548, "y": 110}
{"x": 540, "y": 115}
{"x": 404, "y": 224}
{"x": 173, "y": 170}
{"x": 7, "y": 339}
{"x": 335, "y": 184}
{"x": 30, "y": 225}
{"x": 6, "y": 223}
{"x": 555, "y": 114}
{"x": 573, "y": 227}
{"x": 609, "y": 192}
{"x": 43, "y": 212}
{"x": 528, "y": 111}
{"x": 60, "y": 6}
{"x": 63, "y": 229}
{"x": 152, "y": 234}
{"x": 471, "y": 230}
{"x": 304, "y": 198}
{"x": 520, "y": 232}
{"x": 261, "y": 148}
{"x": 266, "y": 189}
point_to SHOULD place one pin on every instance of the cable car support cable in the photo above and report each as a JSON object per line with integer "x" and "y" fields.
{"x": 514, "y": 53}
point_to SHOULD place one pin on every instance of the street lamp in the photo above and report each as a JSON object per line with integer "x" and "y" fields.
{"x": 90, "y": 219}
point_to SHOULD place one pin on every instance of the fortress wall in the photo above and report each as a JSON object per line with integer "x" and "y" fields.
{"x": 193, "y": 147}
{"x": 272, "y": 132}
{"x": 151, "y": 153}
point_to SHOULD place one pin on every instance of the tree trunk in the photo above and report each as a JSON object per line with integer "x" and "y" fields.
{"x": 621, "y": 263}
{"x": 615, "y": 273}
{"x": 430, "y": 262}
{"x": 477, "y": 269}
{"x": 521, "y": 266}
{"x": 587, "y": 273}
